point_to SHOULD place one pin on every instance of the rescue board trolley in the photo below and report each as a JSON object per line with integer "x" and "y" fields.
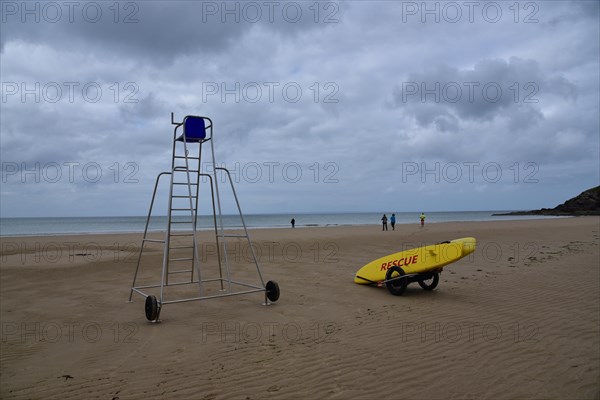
{"x": 180, "y": 248}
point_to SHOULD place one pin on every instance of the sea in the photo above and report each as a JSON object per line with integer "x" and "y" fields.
{"x": 133, "y": 224}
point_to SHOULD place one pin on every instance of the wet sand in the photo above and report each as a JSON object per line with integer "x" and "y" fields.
{"x": 519, "y": 318}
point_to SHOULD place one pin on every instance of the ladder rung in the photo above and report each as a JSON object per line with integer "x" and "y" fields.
{"x": 183, "y": 169}
{"x": 185, "y": 183}
{"x": 181, "y": 209}
{"x": 181, "y": 259}
{"x": 182, "y": 247}
{"x": 189, "y": 158}
{"x": 181, "y": 222}
{"x": 180, "y": 271}
{"x": 184, "y": 197}
{"x": 154, "y": 240}
{"x": 232, "y": 236}
{"x": 182, "y": 234}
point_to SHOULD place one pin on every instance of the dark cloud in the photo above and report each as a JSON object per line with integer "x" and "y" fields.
{"x": 379, "y": 93}
{"x": 153, "y": 31}
{"x": 490, "y": 88}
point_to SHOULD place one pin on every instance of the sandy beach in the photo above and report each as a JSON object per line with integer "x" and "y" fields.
{"x": 518, "y": 319}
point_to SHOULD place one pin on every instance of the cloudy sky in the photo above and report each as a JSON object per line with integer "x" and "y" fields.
{"x": 317, "y": 106}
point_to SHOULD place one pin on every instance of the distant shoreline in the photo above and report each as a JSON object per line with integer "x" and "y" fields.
{"x": 548, "y": 213}
{"x": 376, "y": 226}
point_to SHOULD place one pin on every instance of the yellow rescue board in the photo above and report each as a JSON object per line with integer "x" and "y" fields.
{"x": 415, "y": 261}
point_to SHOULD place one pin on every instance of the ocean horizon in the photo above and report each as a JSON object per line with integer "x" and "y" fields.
{"x": 49, "y": 226}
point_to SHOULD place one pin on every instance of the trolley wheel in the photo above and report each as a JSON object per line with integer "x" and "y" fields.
{"x": 151, "y": 308}
{"x": 272, "y": 289}
{"x": 396, "y": 286}
{"x": 431, "y": 282}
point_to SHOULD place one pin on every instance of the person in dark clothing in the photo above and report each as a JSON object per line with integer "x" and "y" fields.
{"x": 293, "y": 221}
{"x": 384, "y": 221}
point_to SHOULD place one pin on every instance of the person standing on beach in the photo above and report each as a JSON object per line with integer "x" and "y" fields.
{"x": 422, "y": 219}
{"x": 293, "y": 221}
{"x": 384, "y": 221}
{"x": 393, "y": 221}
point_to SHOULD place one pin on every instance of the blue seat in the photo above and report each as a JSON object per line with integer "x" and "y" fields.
{"x": 194, "y": 130}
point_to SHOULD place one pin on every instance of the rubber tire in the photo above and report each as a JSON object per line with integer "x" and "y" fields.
{"x": 396, "y": 287}
{"x": 432, "y": 285}
{"x": 272, "y": 289}
{"x": 151, "y": 308}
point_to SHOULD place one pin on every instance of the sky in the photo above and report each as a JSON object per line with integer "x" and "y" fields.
{"x": 326, "y": 106}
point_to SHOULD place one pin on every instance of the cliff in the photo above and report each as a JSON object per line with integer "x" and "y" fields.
{"x": 587, "y": 203}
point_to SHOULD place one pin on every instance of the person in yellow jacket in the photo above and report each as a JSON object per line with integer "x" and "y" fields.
{"x": 422, "y": 219}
